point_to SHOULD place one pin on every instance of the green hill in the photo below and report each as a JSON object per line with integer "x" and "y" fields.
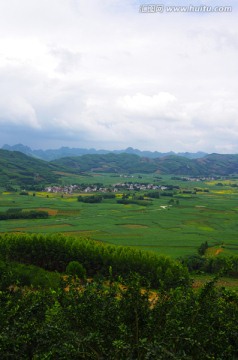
{"x": 17, "y": 168}
{"x": 214, "y": 164}
{"x": 110, "y": 163}
{"x": 177, "y": 165}
{"x": 221, "y": 164}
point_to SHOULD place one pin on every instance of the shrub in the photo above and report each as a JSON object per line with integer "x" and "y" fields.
{"x": 90, "y": 199}
{"x": 23, "y": 193}
{"x": 74, "y": 268}
{"x": 202, "y": 248}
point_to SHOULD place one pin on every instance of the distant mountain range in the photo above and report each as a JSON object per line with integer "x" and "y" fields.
{"x": 17, "y": 168}
{"x": 53, "y": 154}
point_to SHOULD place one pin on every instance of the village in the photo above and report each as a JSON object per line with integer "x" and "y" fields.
{"x": 69, "y": 189}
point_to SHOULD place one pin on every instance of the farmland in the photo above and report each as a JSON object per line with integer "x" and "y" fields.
{"x": 175, "y": 228}
{"x": 120, "y": 301}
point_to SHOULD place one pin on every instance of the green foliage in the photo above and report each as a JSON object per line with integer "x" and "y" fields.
{"x": 226, "y": 265}
{"x": 119, "y": 322}
{"x": 194, "y": 262}
{"x": 223, "y": 265}
{"x": 14, "y": 274}
{"x": 56, "y": 251}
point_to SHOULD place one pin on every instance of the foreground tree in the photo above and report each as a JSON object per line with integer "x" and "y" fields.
{"x": 119, "y": 321}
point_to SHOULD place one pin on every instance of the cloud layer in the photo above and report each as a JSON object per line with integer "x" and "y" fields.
{"x": 88, "y": 73}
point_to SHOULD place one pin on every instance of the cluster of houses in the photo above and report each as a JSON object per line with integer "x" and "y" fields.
{"x": 69, "y": 189}
{"x": 138, "y": 186}
{"x": 188, "y": 178}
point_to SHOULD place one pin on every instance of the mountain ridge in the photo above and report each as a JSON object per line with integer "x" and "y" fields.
{"x": 17, "y": 168}
{"x": 53, "y": 154}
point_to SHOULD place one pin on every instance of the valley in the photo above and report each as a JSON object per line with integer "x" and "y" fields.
{"x": 182, "y": 216}
{"x": 114, "y": 254}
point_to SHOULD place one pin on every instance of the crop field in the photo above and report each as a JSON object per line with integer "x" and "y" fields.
{"x": 174, "y": 229}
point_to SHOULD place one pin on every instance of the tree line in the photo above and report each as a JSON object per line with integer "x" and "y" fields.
{"x": 54, "y": 252}
{"x": 23, "y": 214}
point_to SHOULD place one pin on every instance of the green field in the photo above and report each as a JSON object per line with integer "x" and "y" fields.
{"x": 174, "y": 230}
{"x": 116, "y": 300}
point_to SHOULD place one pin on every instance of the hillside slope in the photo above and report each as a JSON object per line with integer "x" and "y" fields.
{"x": 214, "y": 164}
{"x": 20, "y": 169}
{"x": 222, "y": 164}
{"x": 111, "y": 163}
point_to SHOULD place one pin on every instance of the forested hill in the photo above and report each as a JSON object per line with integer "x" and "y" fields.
{"x": 214, "y": 164}
{"x": 110, "y": 163}
{"x": 18, "y": 168}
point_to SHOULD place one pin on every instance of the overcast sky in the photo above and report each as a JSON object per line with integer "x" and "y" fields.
{"x": 102, "y": 74}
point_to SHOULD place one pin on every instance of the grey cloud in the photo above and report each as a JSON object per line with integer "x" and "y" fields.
{"x": 68, "y": 60}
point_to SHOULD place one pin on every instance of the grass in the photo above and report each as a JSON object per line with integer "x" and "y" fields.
{"x": 162, "y": 228}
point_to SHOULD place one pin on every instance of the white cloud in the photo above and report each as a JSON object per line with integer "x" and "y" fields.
{"x": 161, "y": 106}
{"x": 104, "y": 75}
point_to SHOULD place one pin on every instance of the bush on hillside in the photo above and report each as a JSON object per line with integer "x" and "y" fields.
{"x": 74, "y": 268}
